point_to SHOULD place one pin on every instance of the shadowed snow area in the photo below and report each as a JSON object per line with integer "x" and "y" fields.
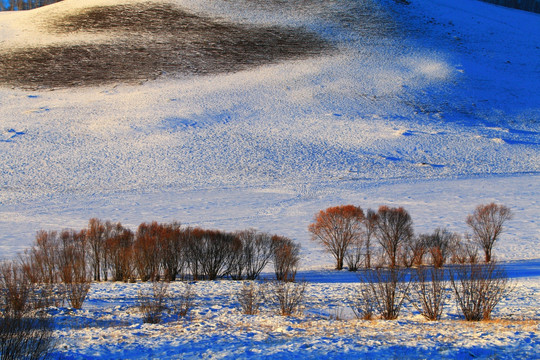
{"x": 298, "y": 99}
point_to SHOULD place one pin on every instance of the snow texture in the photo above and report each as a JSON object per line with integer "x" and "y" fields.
{"x": 434, "y": 106}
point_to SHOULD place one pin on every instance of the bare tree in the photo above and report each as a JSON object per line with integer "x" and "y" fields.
{"x": 478, "y": 288}
{"x": 441, "y": 244}
{"x": 172, "y": 242}
{"x": 146, "y": 250}
{"x": 355, "y": 254}
{"x": 464, "y": 251}
{"x": 74, "y": 272}
{"x": 337, "y": 228}
{"x": 95, "y": 238}
{"x": 487, "y": 223}
{"x": 42, "y": 265}
{"x": 254, "y": 253}
{"x": 413, "y": 252}
{"x": 119, "y": 253}
{"x": 285, "y": 258}
{"x": 393, "y": 229}
{"x": 370, "y": 226}
{"x": 428, "y": 292}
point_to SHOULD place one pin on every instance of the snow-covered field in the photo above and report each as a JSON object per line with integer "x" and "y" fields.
{"x": 434, "y": 106}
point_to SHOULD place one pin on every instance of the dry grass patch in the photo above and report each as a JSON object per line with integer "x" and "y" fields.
{"x": 148, "y": 41}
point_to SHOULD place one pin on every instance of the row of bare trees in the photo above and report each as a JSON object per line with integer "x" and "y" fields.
{"x": 60, "y": 266}
{"x": 9, "y": 5}
{"x": 357, "y": 238}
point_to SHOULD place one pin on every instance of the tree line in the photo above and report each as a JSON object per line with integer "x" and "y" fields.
{"x": 386, "y": 237}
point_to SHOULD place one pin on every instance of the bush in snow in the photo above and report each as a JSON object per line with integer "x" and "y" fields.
{"x": 152, "y": 302}
{"x": 25, "y": 335}
{"x": 388, "y": 289}
{"x": 428, "y": 291}
{"x": 478, "y": 288}
{"x": 251, "y": 298}
{"x": 182, "y": 304}
{"x": 286, "y": 296}
{"x": 363, "y": 303}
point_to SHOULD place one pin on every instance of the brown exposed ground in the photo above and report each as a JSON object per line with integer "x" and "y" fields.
{"x": 147, "y": 41}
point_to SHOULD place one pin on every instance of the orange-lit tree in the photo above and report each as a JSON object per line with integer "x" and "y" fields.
{"x": 337, "y": 228}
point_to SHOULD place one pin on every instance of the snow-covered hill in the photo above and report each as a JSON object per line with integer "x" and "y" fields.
{"x": 434, "y": 98}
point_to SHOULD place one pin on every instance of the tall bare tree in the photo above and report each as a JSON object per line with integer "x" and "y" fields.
{"x": 369, "y": 223}
{"x": 487, "y": 223}
{"x": 393, "y": 229}
{"x": 337, "y": 228}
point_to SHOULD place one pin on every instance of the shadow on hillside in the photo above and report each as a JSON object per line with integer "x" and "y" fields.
{"x": 147, "y": 41}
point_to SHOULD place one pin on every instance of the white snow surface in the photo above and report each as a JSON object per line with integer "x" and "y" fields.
{"x": 434, "y": 106}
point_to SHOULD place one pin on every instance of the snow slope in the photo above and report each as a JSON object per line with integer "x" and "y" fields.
{"x": 434, "y": 106}
{"x": 412, "y": 94}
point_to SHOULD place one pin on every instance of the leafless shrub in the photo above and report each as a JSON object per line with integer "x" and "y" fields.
{"x": 41, "y": 265}
{"x": 428, "y": 291}
{"x": 388, "y": 289}
{"x": 25, "y": 336}
{"x": 478, "y": 288}
{"x": 336, "y": 228}
{"x": 363, "y": 304}
{"x": 487, "y": 223}
{"x": 251, "y": 298}
{"x": 287, "y": 296}
{"x": 152, "y": 302}
{"x": 184, "y": 303}
{"x": 286, "y": 258}
{"x": 393, "y": 230}
{"x": 15, "y": 288}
